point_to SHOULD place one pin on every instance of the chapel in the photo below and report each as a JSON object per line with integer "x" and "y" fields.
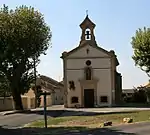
{"x": 90, "y": 73}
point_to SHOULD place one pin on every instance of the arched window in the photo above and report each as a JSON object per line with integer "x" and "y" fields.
{"x": 74, "y": 100}
{"x": 87, "y": 34}
{"x": 88, "y": 73}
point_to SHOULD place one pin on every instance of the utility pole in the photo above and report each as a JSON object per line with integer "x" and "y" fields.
{"x": 35, "y": 88}
{"x": 35, "y": 77}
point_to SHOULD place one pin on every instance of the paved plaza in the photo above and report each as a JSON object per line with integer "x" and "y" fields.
{"x": 10, "y": 124}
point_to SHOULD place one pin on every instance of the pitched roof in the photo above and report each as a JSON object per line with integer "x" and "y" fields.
{"x": 48, "y": 79}
{"x": 110, "y": 53}
{"x": 86, "y": 43}
{"x": 52, "y": 84}
{"x": 86, "y": 22}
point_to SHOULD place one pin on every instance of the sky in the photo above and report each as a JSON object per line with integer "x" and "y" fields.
{"x": 116, "y": 22}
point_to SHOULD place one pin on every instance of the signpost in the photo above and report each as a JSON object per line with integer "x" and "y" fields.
{"x": 45, "y": 107}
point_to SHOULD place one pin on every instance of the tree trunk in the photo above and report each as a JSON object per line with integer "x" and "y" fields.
{"x": 17, "y": 100}
{"x": 15, "y": 90}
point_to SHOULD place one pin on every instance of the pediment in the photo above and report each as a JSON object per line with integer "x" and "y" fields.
{"x": 88, "y": 51}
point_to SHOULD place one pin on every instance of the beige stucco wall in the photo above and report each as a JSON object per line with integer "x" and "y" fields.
{"x": 103, "y": 85}
{"x": 58, "y": 96}
{"x": 74, "y": 75}
{"x": 6, "y": 103}
{"x": 101, "y": 65}
{"x": 31, "y": 96}
{"x": 28, "y": 101}
{"x": 48, "y": 101}
{"x": 96, "y": 63}
{"x": 25, "y": 102}
{"x": 30, "y": 93}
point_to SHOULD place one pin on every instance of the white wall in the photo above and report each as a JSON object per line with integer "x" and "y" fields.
{"x": 101, "y": 71}
{"x": 101, "y": 65}
{"x": 58, "y": 96}
{"x": 81, "y": 63}
{"x": 74, "y": 75}
{"x": 104, "y": 84}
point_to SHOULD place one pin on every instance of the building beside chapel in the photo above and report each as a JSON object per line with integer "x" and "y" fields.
{"x": 90, "y": 73}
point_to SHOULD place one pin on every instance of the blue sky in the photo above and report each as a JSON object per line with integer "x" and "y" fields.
{"x": 116, "y": 22}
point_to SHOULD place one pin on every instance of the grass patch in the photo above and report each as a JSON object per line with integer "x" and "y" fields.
{"x": 93, "y": 121}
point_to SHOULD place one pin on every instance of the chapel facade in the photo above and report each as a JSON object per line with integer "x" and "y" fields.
{"x": 90, "y": 73}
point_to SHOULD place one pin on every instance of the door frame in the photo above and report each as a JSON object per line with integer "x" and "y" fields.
{"x": 93, "y": 98}
{"x": 88, "y": 84}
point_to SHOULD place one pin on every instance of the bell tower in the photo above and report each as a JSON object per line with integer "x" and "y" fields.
{"x": 87, "y": 35}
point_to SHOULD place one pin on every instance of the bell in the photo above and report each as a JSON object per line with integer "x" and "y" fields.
{"x": 87, "y": 34}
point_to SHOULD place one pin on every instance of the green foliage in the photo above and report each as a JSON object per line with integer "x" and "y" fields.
{"x": 146, "y": 90}
{"x": 24, "y": 36}
{"x": 4, "y": 86}
{"x": 141, "y": 95}
{"x": 141, "y": 47}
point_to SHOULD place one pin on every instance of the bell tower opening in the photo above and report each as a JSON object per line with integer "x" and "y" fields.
{"x": 87, "y": 34}
{"x": 87, "y": 27}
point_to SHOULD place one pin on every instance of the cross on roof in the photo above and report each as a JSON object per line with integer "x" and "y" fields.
{"x": 87, "y": 12}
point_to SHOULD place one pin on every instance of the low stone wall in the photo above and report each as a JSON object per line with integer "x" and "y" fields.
{"x": 7, "y": 103}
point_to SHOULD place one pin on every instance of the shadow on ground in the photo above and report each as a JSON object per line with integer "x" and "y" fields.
{"x": 65, "y": 113}
{"x": 62, "y": 131}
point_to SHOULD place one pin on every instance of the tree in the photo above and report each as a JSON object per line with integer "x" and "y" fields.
{"x": 4, "y": 86}
{"x": 146, "y": 90}
{"x": 140, "y": 95}
{"x": 24, "y": 36}
{"x": 141, "y": 47}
